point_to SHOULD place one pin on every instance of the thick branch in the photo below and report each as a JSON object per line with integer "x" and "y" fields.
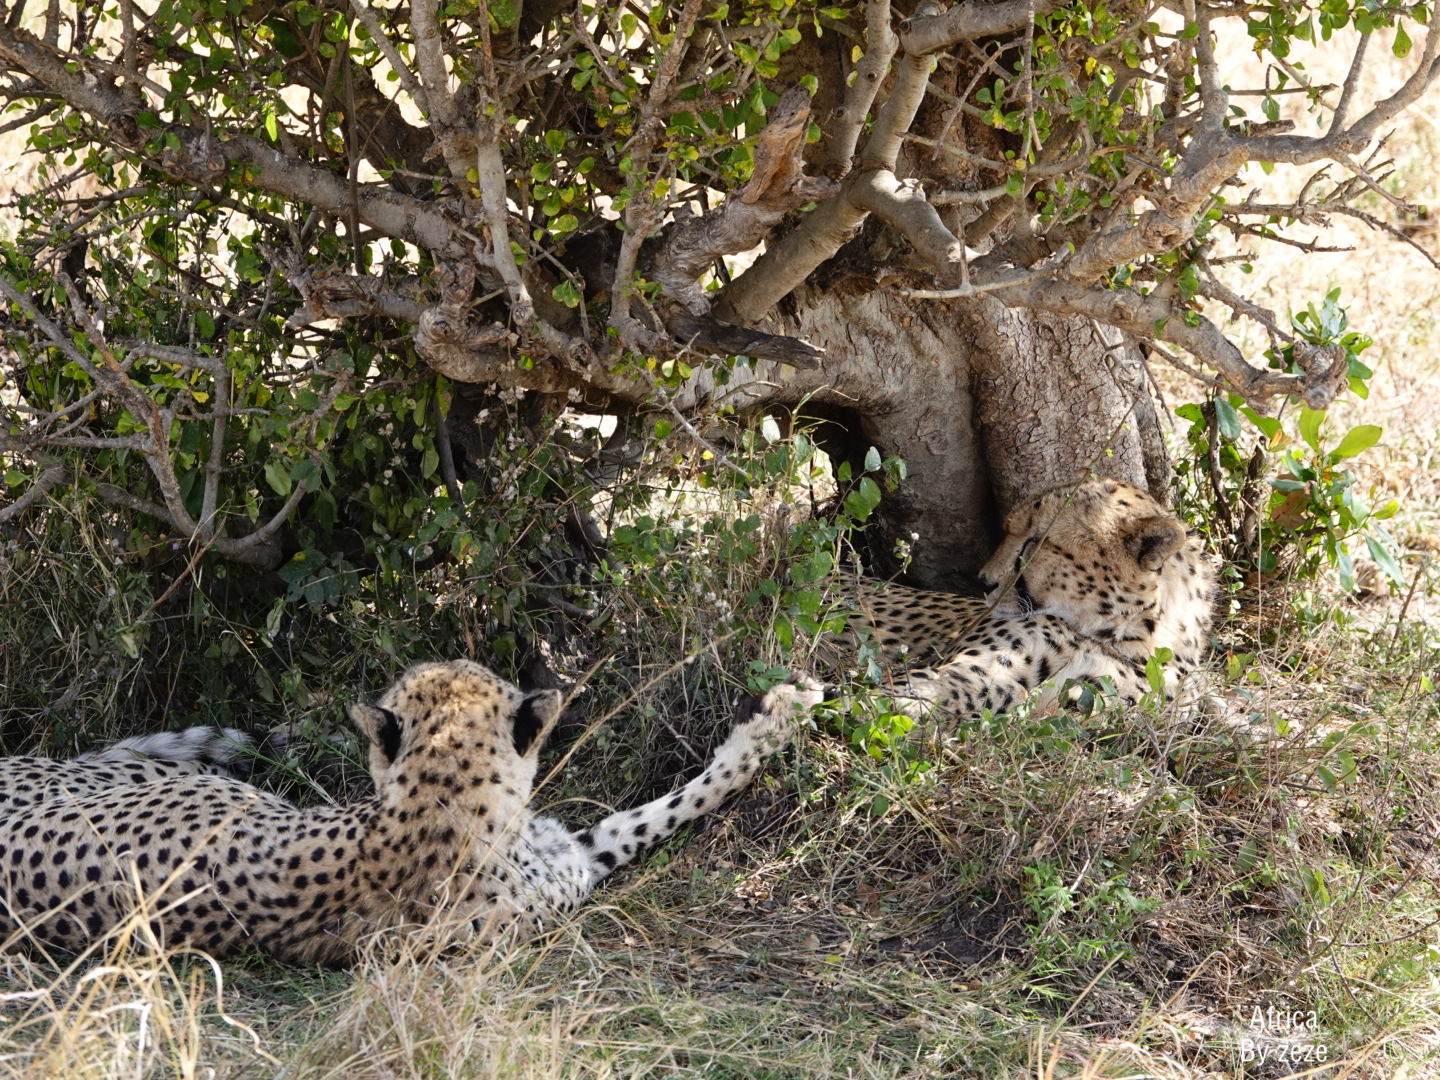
{"x": 912, "y": 76}
{"x": 1300, "y": 150}
{"x": 1214, "y": 98}
{"x": 205, "y": 159}
{"x": 968, "y": 21}
{"x": 902, "y": 205}
{"x": 430, "y": 59}
{"x": 777, "y": 186}
{"x": 778, "y": 272}
{"x": 1210, "y": 160}
{"x": 1150, "y": 317}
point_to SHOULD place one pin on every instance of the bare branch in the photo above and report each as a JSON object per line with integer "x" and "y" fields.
{"x": 1214, "y": 100}
{"x": 1316, "y": 213}
{"x": 1352, "y": 81}
{"x": 976, "y": 288}
{"x": 849, "y": 118}
{"x": 968, "y": 21}
{"x": 491, "y": 170}
{"x": 53, "y": 475}
{"x": 366, "y": 14}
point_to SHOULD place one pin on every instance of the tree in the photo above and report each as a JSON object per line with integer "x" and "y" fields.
{"x": 252, "y": 215}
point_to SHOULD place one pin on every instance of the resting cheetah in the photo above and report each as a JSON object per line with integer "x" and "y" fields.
{"x": 453, "y": 752}
{"x": 1089, "y": 581}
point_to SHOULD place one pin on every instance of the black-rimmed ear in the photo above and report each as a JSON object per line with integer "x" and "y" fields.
{"x": 1154, "y": 539}
{"x": 534, "y": 719}
{"x": 381, "y": 727}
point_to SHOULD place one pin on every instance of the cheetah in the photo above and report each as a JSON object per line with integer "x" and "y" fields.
{"x": 1089, "y": 581}
{"x": 219, "y": 865}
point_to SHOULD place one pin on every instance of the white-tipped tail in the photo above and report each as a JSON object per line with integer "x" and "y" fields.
{"x": 211, "y": 746}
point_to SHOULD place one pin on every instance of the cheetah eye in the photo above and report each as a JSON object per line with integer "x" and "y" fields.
{"x": 1025, "y": 550}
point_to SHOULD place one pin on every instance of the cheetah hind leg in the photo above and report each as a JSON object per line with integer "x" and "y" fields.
{"x": 762, "y": 725}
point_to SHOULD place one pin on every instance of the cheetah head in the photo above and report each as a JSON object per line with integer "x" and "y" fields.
{"x": 1093, "y": 553}
{"x": 445, "y": 724}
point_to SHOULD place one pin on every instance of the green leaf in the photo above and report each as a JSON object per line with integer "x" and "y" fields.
{"x": 566, "y": 293}
{"x": 1268, "y": 425}
{"x": 429, "y": 462}
{"x": 770, "y": 430}
{"x": 1310, "y": 421}
{"x": 1402, "y": 44}
{"x": 272, "y": 127}
{"x": 555, "y": 140}
{"x": 1358, "y": 441}
{"x": 1386, "y": 561}
{"x": 862, "y": 500}
{"x": 277, "y": 475}
{"x": 502, "y": 13}
{"x": 663, "y": 428}
{"x": 879, "y": 805}
{"x": 1227, "y": 418}
{"x": 1155, "y": 669}
{"x": 784, "y": 632}
{"x": 872, "y": 459}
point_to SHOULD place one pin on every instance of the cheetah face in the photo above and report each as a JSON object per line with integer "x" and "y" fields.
{"x": 1092, "y": 552}
{"x": 437, "y": 716}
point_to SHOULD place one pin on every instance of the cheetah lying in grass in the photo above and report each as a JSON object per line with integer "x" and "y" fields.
{"x": 1089, "y": 581}
{"x": 223, "y": 866}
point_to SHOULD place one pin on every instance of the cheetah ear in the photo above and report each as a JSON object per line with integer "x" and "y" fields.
{"x": 1154, "y": 539}
{"x": 381, "y": 727}
{"x": 534, "y": 719}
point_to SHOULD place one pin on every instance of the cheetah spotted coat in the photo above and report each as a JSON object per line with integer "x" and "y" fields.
{"x": 1089, "y": 581}
{"x": 220, "y": 865}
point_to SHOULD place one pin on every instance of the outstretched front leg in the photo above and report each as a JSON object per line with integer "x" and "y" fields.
{"x": 763, "y": 725}
{"x": 558, "y": 868}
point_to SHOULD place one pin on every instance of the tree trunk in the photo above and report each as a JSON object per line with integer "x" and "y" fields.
{"x": 984, "y": 403}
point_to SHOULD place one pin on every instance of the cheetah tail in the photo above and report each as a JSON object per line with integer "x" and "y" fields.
{"x": 211, "y": 746}
{"x": 762, "y": 725}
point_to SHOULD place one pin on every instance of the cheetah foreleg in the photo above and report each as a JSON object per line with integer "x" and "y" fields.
{"x": 762, "y": 726}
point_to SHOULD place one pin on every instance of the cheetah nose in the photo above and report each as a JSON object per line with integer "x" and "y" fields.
{"x": 987, "y": 583}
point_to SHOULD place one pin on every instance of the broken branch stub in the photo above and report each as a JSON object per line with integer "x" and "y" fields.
{"x": 777, "y": 186}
